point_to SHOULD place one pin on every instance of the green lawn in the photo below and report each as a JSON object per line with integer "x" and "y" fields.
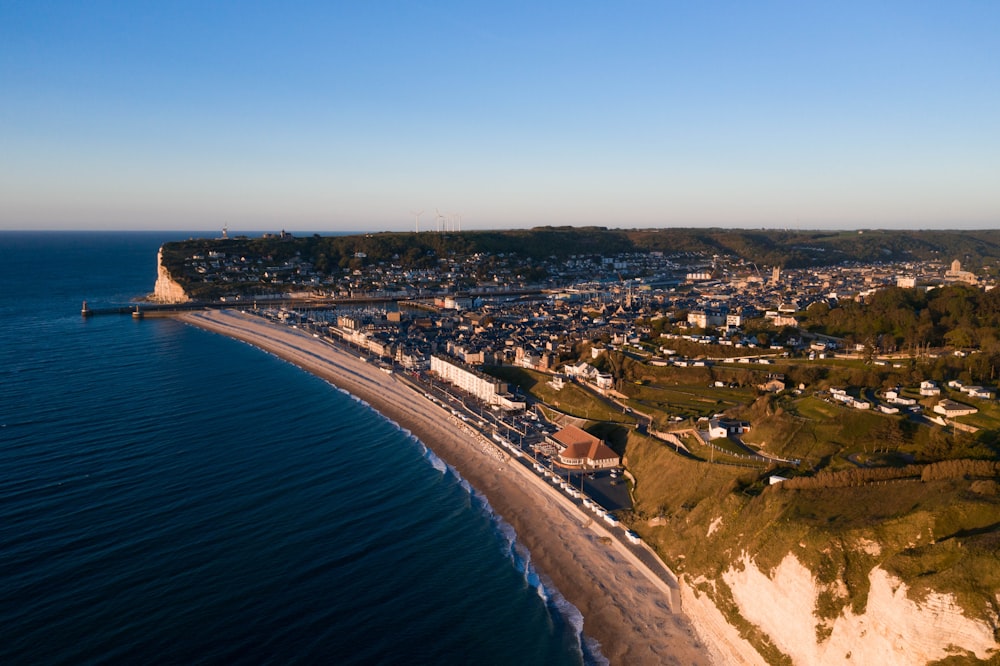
{"x": 685, "y": 400}
{"x": 816, "y": 409}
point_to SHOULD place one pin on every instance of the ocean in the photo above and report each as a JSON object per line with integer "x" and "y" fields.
{"x": 168, "y": 495}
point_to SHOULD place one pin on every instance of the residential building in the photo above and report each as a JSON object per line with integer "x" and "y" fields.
{"x": 951, "y": 409}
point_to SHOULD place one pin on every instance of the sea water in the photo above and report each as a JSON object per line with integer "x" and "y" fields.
{"x": 168, "y": 495}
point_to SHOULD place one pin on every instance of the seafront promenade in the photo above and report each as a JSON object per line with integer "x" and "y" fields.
{"x": 154, "y": 308}
{"x": 628, "y": 606}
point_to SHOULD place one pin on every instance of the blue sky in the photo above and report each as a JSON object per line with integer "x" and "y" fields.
{"x": 334, "y": 116}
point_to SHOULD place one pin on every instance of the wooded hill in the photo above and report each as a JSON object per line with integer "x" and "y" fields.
{"x": 788, "y": 249}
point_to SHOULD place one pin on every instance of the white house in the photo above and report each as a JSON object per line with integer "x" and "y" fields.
{"x": 582, "y": 369}
{"x": 928, "y": 388}
{"x": 895, "y": 398}
{"x": 719, "y": 428}
{"x": 784, "y": 320}
{"x": 706, "y": 318}
{"x": 951, "y": 409}
{"x": 978, "y": 392}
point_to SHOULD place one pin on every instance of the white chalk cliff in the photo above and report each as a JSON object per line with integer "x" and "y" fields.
{"x": 167, "y": 290}
{"x": 894, "y": 629}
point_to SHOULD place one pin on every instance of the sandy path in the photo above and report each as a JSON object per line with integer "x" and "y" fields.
{"x": 624, "y": 606}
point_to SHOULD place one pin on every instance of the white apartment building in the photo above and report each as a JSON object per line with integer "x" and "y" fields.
{"x": 490, "y": 390}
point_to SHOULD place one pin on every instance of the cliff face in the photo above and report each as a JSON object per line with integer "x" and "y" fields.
{"x": 894, "y": 629}
{"x": 167, "y": 290}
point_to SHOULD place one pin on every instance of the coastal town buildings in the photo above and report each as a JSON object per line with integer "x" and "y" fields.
{"x": 952, "y": 409}
{"x": 490, "y": 390}
{"x": 733, "y": 332}
{"x": 683, "y": 310}
{"x": 578, "y": 448}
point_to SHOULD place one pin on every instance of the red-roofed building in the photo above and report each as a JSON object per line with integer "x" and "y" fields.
{"x": 578, "y": 448}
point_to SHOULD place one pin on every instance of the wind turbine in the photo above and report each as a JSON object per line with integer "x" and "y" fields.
{"x": 416, "y": 220}
{"x": 440, "y": 217}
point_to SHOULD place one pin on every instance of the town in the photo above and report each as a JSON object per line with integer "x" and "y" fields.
{"x": 837, "y": 411}
{"x": 683, "y": 346}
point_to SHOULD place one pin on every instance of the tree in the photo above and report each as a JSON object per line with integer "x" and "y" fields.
{"x": 961, "y": 337}
{"x": 870, "y": 349}
{"x": 889, "y": 435}
{"x": 939, "y": 446}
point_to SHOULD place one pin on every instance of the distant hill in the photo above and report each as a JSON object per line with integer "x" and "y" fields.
{"x": 788, "y": 249}
{"x": 799, "y": 249}
{"x": 532, "y": 251}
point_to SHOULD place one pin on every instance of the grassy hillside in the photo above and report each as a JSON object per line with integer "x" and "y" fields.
{"x": 572, "y": 399}
{"x": 940, "y": 535}
{"x": 869, "y": 493}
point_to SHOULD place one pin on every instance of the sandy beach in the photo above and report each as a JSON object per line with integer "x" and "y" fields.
{"x": 625, "y": 607}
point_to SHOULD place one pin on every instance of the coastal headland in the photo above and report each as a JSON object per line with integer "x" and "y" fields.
{"x": 625, "y": 606}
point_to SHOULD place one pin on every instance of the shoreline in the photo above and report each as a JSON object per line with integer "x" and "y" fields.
{"x": 626, "y": 608}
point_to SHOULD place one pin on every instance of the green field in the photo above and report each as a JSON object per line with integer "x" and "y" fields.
{"x": 685, "y": 401}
